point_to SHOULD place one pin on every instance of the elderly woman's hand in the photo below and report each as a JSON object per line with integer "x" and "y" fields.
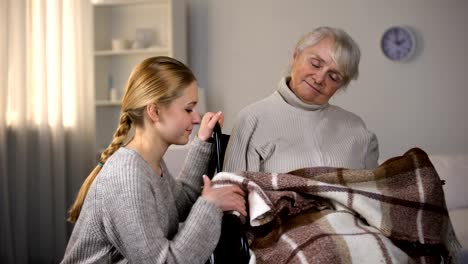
{"x": 208, "y": 123}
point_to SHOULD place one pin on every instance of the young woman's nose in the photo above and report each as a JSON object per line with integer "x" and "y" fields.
{"x": 196, "y": 117}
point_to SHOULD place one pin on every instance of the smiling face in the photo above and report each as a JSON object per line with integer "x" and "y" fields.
{"x": 314, "y": 75}
{"x": 177, "y": 120}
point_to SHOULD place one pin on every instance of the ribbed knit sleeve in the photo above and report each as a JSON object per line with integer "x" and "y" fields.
{"x": 139, "y": 224}
{"x": 131, "y": 214}
{"x": 187, "y": 188}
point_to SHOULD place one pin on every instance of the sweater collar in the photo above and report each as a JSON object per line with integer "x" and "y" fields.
{"x": 291, "y": 98}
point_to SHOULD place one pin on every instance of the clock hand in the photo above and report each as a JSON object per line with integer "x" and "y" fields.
{"x": 395, "y": 34}
{"x": 396, "y": 37}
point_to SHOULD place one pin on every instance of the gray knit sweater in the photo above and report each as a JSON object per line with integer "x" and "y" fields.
{"x": 281, "y": 133}
{"x": 132, "y": 215}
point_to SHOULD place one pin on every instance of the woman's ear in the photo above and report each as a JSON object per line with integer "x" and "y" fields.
{"x": 294, "y": 56}
{"x": 293, "y": 59}
{"x": 153, "y": 112}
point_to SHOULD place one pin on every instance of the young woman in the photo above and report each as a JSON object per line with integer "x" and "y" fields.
{"x": 129, "y": 208}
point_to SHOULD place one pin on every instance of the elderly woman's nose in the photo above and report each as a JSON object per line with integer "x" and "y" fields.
{"x": 319, "y": 76}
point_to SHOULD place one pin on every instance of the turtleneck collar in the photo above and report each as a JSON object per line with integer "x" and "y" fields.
{"x": 291, "y": 98}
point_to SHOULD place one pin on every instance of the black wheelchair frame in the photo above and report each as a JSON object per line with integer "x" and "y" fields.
{"x": 232, "y": 246}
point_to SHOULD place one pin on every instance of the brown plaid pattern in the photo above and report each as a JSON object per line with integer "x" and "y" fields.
{"x": 395, "y": 213}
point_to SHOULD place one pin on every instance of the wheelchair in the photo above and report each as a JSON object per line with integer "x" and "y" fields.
{"x": 232, "y": 246}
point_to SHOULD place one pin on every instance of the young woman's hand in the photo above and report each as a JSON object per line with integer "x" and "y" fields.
{"x": 229, "y": 198}
{"x": 208, "y": 123}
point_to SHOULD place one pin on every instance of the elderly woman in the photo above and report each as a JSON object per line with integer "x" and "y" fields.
{"x": 296, "y": 127}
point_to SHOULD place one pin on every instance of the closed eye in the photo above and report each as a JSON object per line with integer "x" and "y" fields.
{"x": 190, "y": 107}
{"x": 335, "y": 77}
{"x": 315, "y": 63}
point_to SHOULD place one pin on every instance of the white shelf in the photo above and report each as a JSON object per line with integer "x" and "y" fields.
{"x": 161, "y": 51}
{"x": 164, "y": 22}
{"x": 125, "y": 2}
{"x": 107, "y": 103}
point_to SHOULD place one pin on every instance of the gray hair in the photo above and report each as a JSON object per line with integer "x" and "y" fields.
{"x": 345, "y": 51}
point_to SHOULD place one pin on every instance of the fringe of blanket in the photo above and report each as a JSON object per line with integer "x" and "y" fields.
{"x": 453, "y": 245}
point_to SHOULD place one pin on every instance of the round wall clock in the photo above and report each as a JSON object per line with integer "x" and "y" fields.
{"x": 398, "y": 43}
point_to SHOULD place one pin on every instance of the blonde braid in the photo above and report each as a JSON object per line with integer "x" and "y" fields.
{"x": 117, "y": 141}
{"x": 119, "y": 137}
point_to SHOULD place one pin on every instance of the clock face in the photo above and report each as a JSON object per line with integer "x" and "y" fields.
{"x": 398, "y": 43}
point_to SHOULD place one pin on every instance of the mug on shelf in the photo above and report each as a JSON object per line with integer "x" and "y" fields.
{"x": 144, "y": 37}
{"x": 119, "y": 44}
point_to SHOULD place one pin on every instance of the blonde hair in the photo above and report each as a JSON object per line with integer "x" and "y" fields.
{"x": 158, "y": 80}
{"x": 345, "y": 51}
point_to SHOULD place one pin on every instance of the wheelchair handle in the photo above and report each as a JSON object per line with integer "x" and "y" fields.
{"x": 217, "y": 142}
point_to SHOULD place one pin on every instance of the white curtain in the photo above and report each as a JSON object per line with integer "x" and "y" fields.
{"x": 46, "y": 123}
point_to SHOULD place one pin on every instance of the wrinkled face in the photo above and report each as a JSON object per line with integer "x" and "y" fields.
{"x": 177, "y": 120}
{"x": 314, "y": 76}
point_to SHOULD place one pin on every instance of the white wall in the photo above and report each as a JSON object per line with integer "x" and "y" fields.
{"x": 240, "y": 49}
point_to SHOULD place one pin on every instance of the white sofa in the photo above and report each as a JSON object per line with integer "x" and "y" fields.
{"x": 454, "y": 170}
{"x": 175, "y": 157}
{"x": 451, "y": 168}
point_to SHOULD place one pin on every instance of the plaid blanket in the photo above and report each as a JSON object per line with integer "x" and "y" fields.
{"x": 395, "y": 213}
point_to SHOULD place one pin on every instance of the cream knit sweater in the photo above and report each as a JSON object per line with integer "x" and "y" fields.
{"x": 281, "y": 133}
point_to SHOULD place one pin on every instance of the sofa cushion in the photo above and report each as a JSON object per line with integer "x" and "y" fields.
{"x": 458, "y": 218}
{"x": 454, "y": 170}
